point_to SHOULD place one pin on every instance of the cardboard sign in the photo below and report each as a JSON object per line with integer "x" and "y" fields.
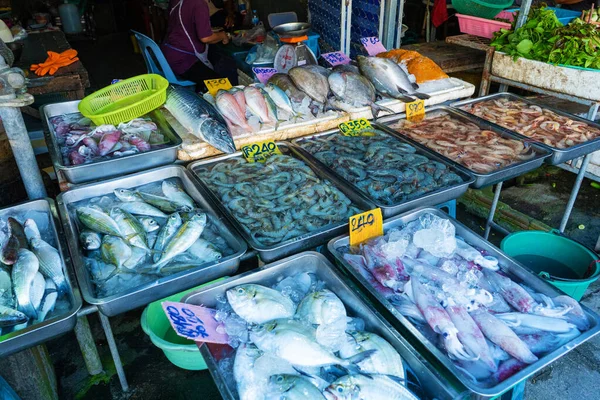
{"x": 336, "y": 58}
{"x": 263, "y": 74}
{"x": 365, "y": 226}
{"x": 415, "y": 110}
{"x": 372, "y": 45}
{"x": 260, "y": 151}
{"x": 194, "y": 322}
{"x": 356, "y": 127}
{"x": 213, "y": 85}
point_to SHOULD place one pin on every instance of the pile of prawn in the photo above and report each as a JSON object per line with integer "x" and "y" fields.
{"x": 490, "y": 326}
{"x": 540, "y": 124}
{"x": 482, "y": 151}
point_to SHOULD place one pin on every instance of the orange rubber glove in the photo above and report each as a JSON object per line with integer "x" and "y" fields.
{"x": 54, "y": 62}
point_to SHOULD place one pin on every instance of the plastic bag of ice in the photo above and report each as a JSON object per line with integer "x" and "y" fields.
{"x": 435, "y": 236}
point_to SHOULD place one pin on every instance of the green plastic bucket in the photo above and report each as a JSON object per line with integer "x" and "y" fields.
{"x": 180, "y": 351}
{"x": 559, "y": 260}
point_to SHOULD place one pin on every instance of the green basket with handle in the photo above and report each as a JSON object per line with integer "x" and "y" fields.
{"x": 125, "y": 100}
{"x": 481, "y": 8}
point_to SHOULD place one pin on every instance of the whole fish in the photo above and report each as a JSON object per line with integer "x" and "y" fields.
{"x": 10, "y": 317}
{"x": 149, "y": 224}
{"x": 284, "y": 82}
{"x": 165, "y": 234}
{"x": 16, "y": 229}
{"x": 280, "y": 99}
{"x": 257, "y": 104}
{"x": 115, "y": 251}
{"x": 356, "y": 90}
{"x": 297, "y": 346}
{"x": 10, "y": 249}
{"x": 204, "y": 251}
{"x": 257, "y": 304}
{"x": 126, "y": 195}
{"x": 38, "y": 287}
{"x": 130, "y": 228}
{"x": 388, "y": 78}
{"x": 49, "y": 301}
{"x": 239, "y": 97}
{"x": 31, "y": 230}
{"x": 98, "y": 221}
{"x": 385, "y": 360}
{"x": 195, "y": 115}
{"x": 185, "y": 237}
{"x": 312, "y": 83}
{"x": 50, "y": 263}
{"x": 23, "y": 274}
{"x": 141, "y": 208}
{"x": 271, "y": 106}
{"x": 163, "y": 203}
{"x": 292, "y": 387}
{"x": 500, "y": 334}
{"x": 231, "y": 110}
{"x": 177, "y": 195}
{"x": 90, "y": 240}
{"x": 368, "y": 387}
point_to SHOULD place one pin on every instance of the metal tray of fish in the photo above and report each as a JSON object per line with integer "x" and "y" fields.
{"x": 113, "y": 167}
{"x": 558, "y": 156}
{"x": 269, "y": 253}
{"x": 510, "y": 267}
{"x": 431, "y": 198}
{"x": 161, "y": 287}
{"x": 481, "y": 179}
{"x": 64, "y": 316}
{"x": 432, "y": 382}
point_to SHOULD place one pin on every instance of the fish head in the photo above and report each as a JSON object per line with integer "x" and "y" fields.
{"x": 90, "y": 240}
{"x": 281, "y": 383}
{"x": 217, "y": 135}
{"x": 125, "y": 194}
{"x": 174, "y": 218}
{"x": 149, "y": 224}
{"x": 241, "y": 295}
{"x": 199, "y": 218}
{"x": 342, "y": 389}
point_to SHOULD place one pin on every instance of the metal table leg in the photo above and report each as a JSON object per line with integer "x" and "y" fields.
{"x": 114, "y": 351}
{"x": 490, "y": 219}
{"x": 574, "y": 192}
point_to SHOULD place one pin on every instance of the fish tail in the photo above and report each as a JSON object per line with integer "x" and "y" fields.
{"x": 376, "y": 109}
{"x": 421, "y": 96}
{"x": 357, "y": 358}
{"x": 28, "y": 310}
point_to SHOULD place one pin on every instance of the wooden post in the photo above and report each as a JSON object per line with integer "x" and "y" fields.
{"x": 31, "y": 374}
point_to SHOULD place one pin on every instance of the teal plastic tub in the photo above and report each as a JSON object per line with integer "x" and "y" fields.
{"x": 181, "y": 352}
{"x": 559, "y": 260}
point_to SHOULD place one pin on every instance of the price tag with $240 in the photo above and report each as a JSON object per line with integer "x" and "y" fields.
{"x": 260, "y": 151}
{"x": 365, "y": 226}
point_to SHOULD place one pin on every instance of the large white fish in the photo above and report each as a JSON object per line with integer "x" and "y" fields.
{"x": 24, "y": 271}
{"x": 257, "y": 304}
{"x": 385, "y": 360}
{"x": 50, "y": 263}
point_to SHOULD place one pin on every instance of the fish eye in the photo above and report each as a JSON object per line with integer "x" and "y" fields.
{"x": 241, "y": 291}
{"x": 280, "y": 379}
{"x": 340, "y": 389}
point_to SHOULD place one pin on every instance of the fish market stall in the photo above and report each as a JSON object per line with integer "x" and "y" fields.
{"x": 438, "y": 279}
{"x": 143, "y": 237}
{"x": 38, "y": 297}
{"x": 299, "y": 286}
{"x": 394, "y": 174}
{"x": 284, "y": 205}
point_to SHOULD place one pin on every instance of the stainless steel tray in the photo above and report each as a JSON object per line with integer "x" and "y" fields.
{"x": 165, "y": 286}
{"x": 481, "y": 180}
{"x": 558, "y": 156}
{"x": 433, "y": 198}
{"x": 431, "y": 381}
{"x": 511, "y": 267}
{"x": 107, "y": 168}
{"x": 57, "y": 324}
{"x": 297, "y": 244}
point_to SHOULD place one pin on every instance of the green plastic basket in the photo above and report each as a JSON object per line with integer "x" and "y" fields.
{"x": 125, "y": 100}
{"x": 479, "y": 8}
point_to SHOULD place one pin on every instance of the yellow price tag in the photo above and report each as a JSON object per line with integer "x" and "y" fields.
{"x": 415, "y": 110}
{"x": 365, "y": 226}
{"x": 213, "y": 85}
{"x": 260, "y": 151}
{"x": 356, "y": 127}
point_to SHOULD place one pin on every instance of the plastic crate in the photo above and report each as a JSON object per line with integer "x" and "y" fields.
{"x": 564, "y": 16}
{"x": 126, "y": 100}
{"x": 313, "y": 43}
{"x": 480, "y": 26}
{"x": 480, "y": 8}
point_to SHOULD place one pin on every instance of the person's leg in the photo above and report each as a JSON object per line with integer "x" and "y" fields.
{"x": 199, "y": 73}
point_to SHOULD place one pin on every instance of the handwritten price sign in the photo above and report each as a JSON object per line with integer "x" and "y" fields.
{"x": 415, "y": 110}
{"x": 260, "y": 151}
{"x": 365, "y": 226}
{"x": 194, "y": 322}
{"x": 263, "y": 74}
{"x": 213, "y": 85}
{"x": 336, "y": 58}
{"x": 356, "y": 127}
{"x": 372, "y": 45}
